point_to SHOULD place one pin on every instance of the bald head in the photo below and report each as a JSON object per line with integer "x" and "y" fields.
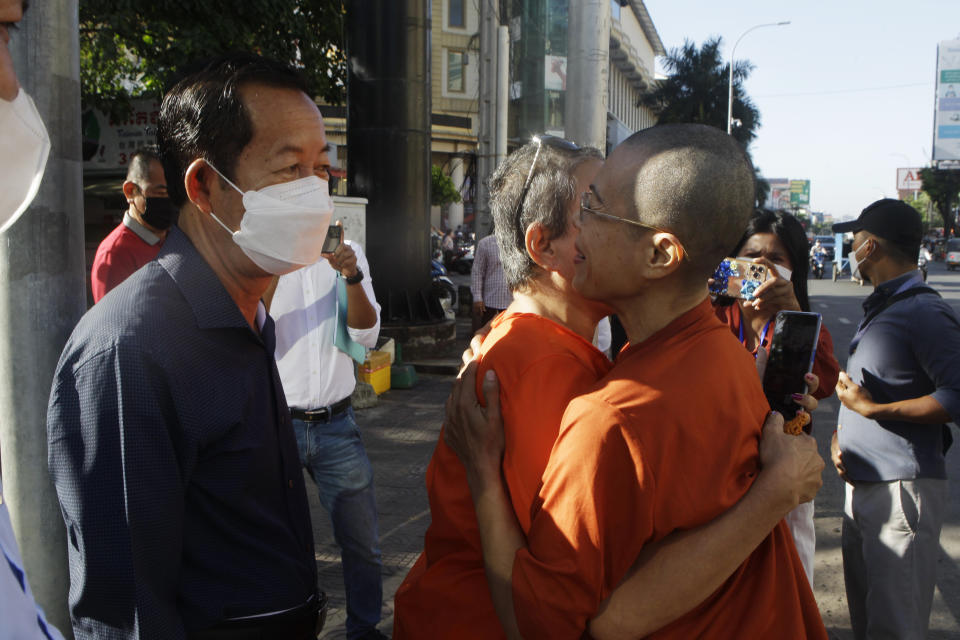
{"x": 692, "y": 180}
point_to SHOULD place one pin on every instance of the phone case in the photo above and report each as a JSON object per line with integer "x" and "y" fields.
{"x": 774, "y": 383}
{"x": 738, "y": 278}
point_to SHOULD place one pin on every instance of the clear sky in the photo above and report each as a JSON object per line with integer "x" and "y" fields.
{"x": 845, "y": 92}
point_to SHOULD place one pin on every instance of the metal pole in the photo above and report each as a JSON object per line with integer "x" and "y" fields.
{"x": 487, "y": 117}
{"x": 588, "y": 57}
{"x": 732, "y": 52}
{"x": 503, "y": 91}
{"x": 41, "y": 298}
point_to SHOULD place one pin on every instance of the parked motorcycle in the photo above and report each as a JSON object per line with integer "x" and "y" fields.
{"x": 443, "y": 288}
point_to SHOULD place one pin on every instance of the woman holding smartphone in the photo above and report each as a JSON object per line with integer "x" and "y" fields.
{"x": 777, "y": 239}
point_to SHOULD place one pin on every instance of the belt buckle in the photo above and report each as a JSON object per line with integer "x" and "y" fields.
{"x": 317, "y": 414}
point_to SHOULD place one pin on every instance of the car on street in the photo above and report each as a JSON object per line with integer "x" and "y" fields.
{"x": 953, "y": 253}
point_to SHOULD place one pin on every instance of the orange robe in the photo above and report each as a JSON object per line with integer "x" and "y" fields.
{"x": 541, "y": 367}
{"x": 668, "y": 440}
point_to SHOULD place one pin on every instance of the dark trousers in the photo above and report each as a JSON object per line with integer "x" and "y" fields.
{"x": 480, "y": 319}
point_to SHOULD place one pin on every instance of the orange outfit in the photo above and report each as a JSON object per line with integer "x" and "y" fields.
{"x": 541, "y": 367}
{"x": 825, "y": 365}
{"x": 667, "y": 441}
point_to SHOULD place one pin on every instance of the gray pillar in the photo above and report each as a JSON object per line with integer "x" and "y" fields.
{"x": 588, "y": 56}
{"x": 455, "y": 209}
{"x": 41, "y": 298}
{"x": 503, "y": 91}
{"x": 388, "y": 136}
{"x": 487, "y": 117}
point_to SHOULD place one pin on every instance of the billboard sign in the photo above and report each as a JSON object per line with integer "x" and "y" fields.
{"x": 909, "y": 179}
{"x": 555, "y": 73}
{"x": 799, "y": 193}
{"x": 779, "y": 193}
{"x": 108, "y": 144}
{"x": 946, "y": 125}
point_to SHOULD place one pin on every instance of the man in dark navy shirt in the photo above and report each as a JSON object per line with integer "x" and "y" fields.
{"x": 170, "y": 441}
{"x": 901, "y": 386}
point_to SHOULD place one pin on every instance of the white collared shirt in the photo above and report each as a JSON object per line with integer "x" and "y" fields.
{"x": 314, "y": 372}
{"x": 20, "y": 617}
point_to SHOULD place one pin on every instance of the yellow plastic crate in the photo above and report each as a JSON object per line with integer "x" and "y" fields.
{"x": 376, "y": 371}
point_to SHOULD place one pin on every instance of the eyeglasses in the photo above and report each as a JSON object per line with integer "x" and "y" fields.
{"x": 551, "y": 141}
{"x": 586, "y": 200}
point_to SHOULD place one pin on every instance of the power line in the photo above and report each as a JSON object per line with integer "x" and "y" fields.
{"x": 839, "y": 91}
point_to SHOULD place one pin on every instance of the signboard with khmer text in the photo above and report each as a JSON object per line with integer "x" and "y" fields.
{"x": 946, "y": 126}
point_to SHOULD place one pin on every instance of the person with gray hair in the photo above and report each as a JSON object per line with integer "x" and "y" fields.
{"x": 139, "y": 236}
{"x": 541, "y": 350}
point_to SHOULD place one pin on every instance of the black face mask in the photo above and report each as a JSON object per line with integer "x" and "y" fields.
{"x": 160, "y": 213}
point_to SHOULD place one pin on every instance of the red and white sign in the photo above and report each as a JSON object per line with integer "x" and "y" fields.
{"x": 909, "y": 180}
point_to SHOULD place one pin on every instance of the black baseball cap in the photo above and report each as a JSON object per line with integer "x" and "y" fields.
{"x": 889, "y": 219}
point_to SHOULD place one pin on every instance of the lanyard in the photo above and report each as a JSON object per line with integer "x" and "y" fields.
{"x": 763, "y": 334}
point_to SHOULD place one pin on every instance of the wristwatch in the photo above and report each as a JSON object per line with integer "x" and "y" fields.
{"x": 355, "y": 278}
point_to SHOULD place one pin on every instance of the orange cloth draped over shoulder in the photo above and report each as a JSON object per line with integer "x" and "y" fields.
{"x": 541, "y": 366}
{"x": 825, "y": 365}
{"x": 667, "y": 441}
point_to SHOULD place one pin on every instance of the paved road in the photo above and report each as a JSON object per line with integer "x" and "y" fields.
{"x": 400, "y": 433}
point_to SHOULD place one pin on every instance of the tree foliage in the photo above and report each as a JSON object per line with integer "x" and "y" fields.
{"x": 696, "y": 90}
{"x": 130, "y": 49}
{"x": 442, "y": 189}
{"x": 943, "y": 187}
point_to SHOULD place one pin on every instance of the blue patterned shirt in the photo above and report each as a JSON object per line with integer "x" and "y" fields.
{"x": 174, "y": 460}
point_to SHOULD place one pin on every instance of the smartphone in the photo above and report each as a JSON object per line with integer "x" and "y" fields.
{"x": 333, "y": 239}
{"x": 792, "y": 350}
{"x": 738, "y": 278}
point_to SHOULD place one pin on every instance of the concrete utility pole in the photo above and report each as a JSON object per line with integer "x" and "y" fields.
{"x": 588, "y": 57}
{"x": 388, "y": 137}
{"x": 41, "y": 298}
{"x": 492, "y": 130}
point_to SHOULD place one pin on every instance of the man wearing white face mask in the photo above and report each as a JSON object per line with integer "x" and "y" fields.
{"x": 24, "y": 146}
{"x": 900, "y": 388}
{"x": 170, "y": 440}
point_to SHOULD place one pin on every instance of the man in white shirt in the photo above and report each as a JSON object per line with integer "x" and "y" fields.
{"x": 318, "y": 373}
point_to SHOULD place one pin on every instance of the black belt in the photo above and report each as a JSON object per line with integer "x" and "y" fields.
{"x": 302, "y": 623}
{"x": 323, "y": 413}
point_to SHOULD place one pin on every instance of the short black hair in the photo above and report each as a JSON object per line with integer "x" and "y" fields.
{"x": 901, "y": 252}
{"x": 695, "y": 181}
{"x": 139, "y": 169}
{"x": 552, "y": 188}
{"x": 202, "y": 115}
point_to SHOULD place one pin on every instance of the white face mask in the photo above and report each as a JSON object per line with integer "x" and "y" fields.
{"x": 24, "y": 146}
{"x": 856, "y": 262}
{"x": 782, "y": 271}
{"x": 284, "y": 225}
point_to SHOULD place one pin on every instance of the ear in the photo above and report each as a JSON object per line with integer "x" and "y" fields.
{"x": 666, "y": 254}
{"x": 198, "y": 183}
{"x": 130, "y": 190}
{"x": 539, "y": 246}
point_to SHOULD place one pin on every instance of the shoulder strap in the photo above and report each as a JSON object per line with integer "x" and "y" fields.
{"x": 909, "y": 293}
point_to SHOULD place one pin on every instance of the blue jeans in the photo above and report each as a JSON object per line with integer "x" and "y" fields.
{"x": 332, "y": 452}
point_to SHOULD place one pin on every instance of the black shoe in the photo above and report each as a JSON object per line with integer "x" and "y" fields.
{"x": 373, "y": 634}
